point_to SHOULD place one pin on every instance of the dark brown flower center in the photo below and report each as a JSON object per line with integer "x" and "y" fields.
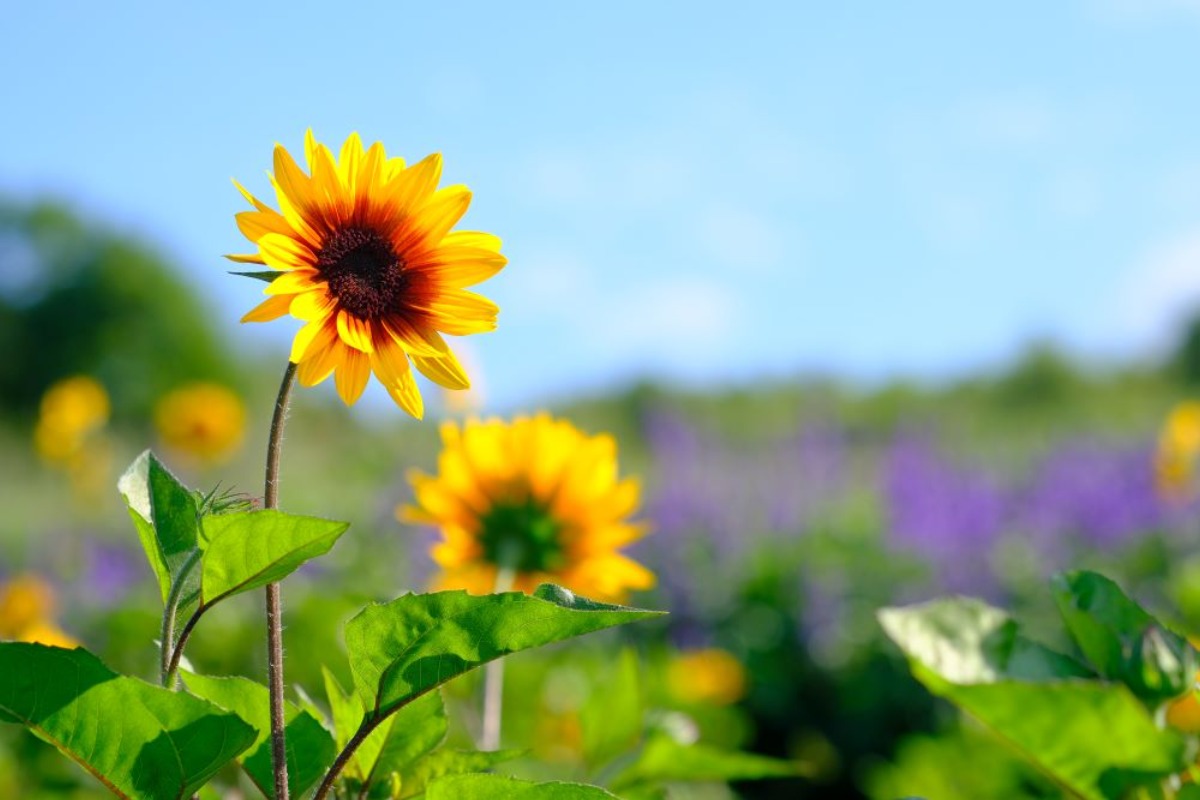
{"x": 364, "y": 272}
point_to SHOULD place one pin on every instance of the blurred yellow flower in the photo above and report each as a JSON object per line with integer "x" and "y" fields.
{"x": 711, "y": 676}
{"x": 367, "y": 260}
{"x": 26, "y": 610}
{"x": 71, "y": 410}
{"x": 530, "y": 501}
{"x": 1178, "y": 449}
{"x": 203, "y": 420}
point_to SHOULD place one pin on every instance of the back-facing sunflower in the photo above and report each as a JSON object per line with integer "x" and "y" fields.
{"x": 367, "y": 260}
{"x": 530, "y": 501}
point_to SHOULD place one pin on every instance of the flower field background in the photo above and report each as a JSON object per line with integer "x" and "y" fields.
{"x": 781, "y": 518}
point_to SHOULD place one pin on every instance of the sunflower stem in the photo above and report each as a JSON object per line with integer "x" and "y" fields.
{"x": 274, "y": 601}
{"x": 493, "y": 680}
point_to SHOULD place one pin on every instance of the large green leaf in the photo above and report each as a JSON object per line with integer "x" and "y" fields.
{"x": 167, "y": 519}
{"x": 141, "y": 741}
{"x": 401, "y": 649}
{"x": 664, "y": 760}
{"x": 249, "y": 549}
{"x": 310, "y": 748}
{"x": 495, "y": 787}
{"x": 1095, "y": 739}
{"x": 416, "y": 777}
{"x": 1121, "y": 640}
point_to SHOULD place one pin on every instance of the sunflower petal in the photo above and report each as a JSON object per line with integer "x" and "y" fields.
{"x": 352, "y": 153}
{"x": 352, "y": 375}
{"x": 245, "y": 258}
{"x": 354, "y": 331}
{"x": 416, "y": 339}
{"x": 293, "y": 282}
{"x": 459, "y": 267}
{"x": 443, "y": 211}
{"x": 313, "y": 335}
{"x": 254, "y": 201}
{"x": 472, "y": 239}
{"x": 269, "y": 309}
{"x": 322, "y": 358}
{"x": 445, "y": 371}
{"x": 285, "y": 252}
{"x": 408, "y": 396}
{"x": 313, "y": 305}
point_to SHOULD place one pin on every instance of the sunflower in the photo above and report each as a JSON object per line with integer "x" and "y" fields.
{"x": 531, "y": 501}
{"x": 203, "y": 420}
{"x": 367, "y": 260}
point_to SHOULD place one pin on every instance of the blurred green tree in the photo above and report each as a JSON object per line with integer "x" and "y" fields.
{"x": 76, "y": 298}
{"x": 1185, "y": 360}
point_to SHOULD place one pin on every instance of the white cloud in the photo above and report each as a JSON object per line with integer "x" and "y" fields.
{"x": 1161, "y": 290}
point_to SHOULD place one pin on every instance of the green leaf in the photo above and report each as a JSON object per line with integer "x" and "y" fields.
{"x": 399, "y": 741}
{"x": 495, "y": 787}
{"x": 611, "y": 719}
{"x": 401, "y": 649}
{"x": 1095, "y": 739}
{"x": 415, "y": 779}
{"x": 167, "y": 519}
{"x": 1121, "y": 640}
{"x": 249, "y": 549}
{"x": 141, "y": 741}
{"x": 265, "y": 275}
{"x": 412, "y": 732}
{"x": 664, "y": 760}
{"x": 310, "y": 748}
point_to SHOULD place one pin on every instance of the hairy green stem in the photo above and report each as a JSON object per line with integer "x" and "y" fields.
{"x": 169, "y": 654}
{"x": 274, "y": 602}
{"x": 177, "y": 652}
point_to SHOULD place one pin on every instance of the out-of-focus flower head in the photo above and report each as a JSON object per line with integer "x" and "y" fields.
{"x": 27, "y": 606}
{"x": 1178, "y": 448}
{"x": 72, "y": 410}
{"x": 711, "y": 676}
{"x": 536, "y": 499}
{"x": 205, "y": 421}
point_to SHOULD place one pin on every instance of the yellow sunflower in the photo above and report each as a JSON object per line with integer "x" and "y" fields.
{"x": 368, "y": 261}
{"x": 534, "y": 500}
{"x": 203, "y": 420}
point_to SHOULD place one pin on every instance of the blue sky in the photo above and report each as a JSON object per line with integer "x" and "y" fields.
{"x": 703, "y": 192}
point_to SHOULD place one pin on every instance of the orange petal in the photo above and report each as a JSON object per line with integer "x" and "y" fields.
{"x": 269, "y": 309}
{"x": 445, "y": 371}
{"x": 285, "y": 252}
{"x": 354, "y": 331}
{"x": 352, "y": 374}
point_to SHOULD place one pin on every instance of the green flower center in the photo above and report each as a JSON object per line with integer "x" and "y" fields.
{"x": 522, "y": 536}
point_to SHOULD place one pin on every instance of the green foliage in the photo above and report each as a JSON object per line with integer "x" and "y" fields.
{"x": 613, "y": 718}
{"x": 310, "y": 748}
{"x": 401, "y": 649}
{"x": 664, "y": 760}
{"x": 417, "y": 777}
{"x": 1093, "y": 737}
{"x": 495, "y": 787}
{"x": 1121, "y": 640}
{"x": 205, "y": 558}
{"x": 141, "y": 741}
